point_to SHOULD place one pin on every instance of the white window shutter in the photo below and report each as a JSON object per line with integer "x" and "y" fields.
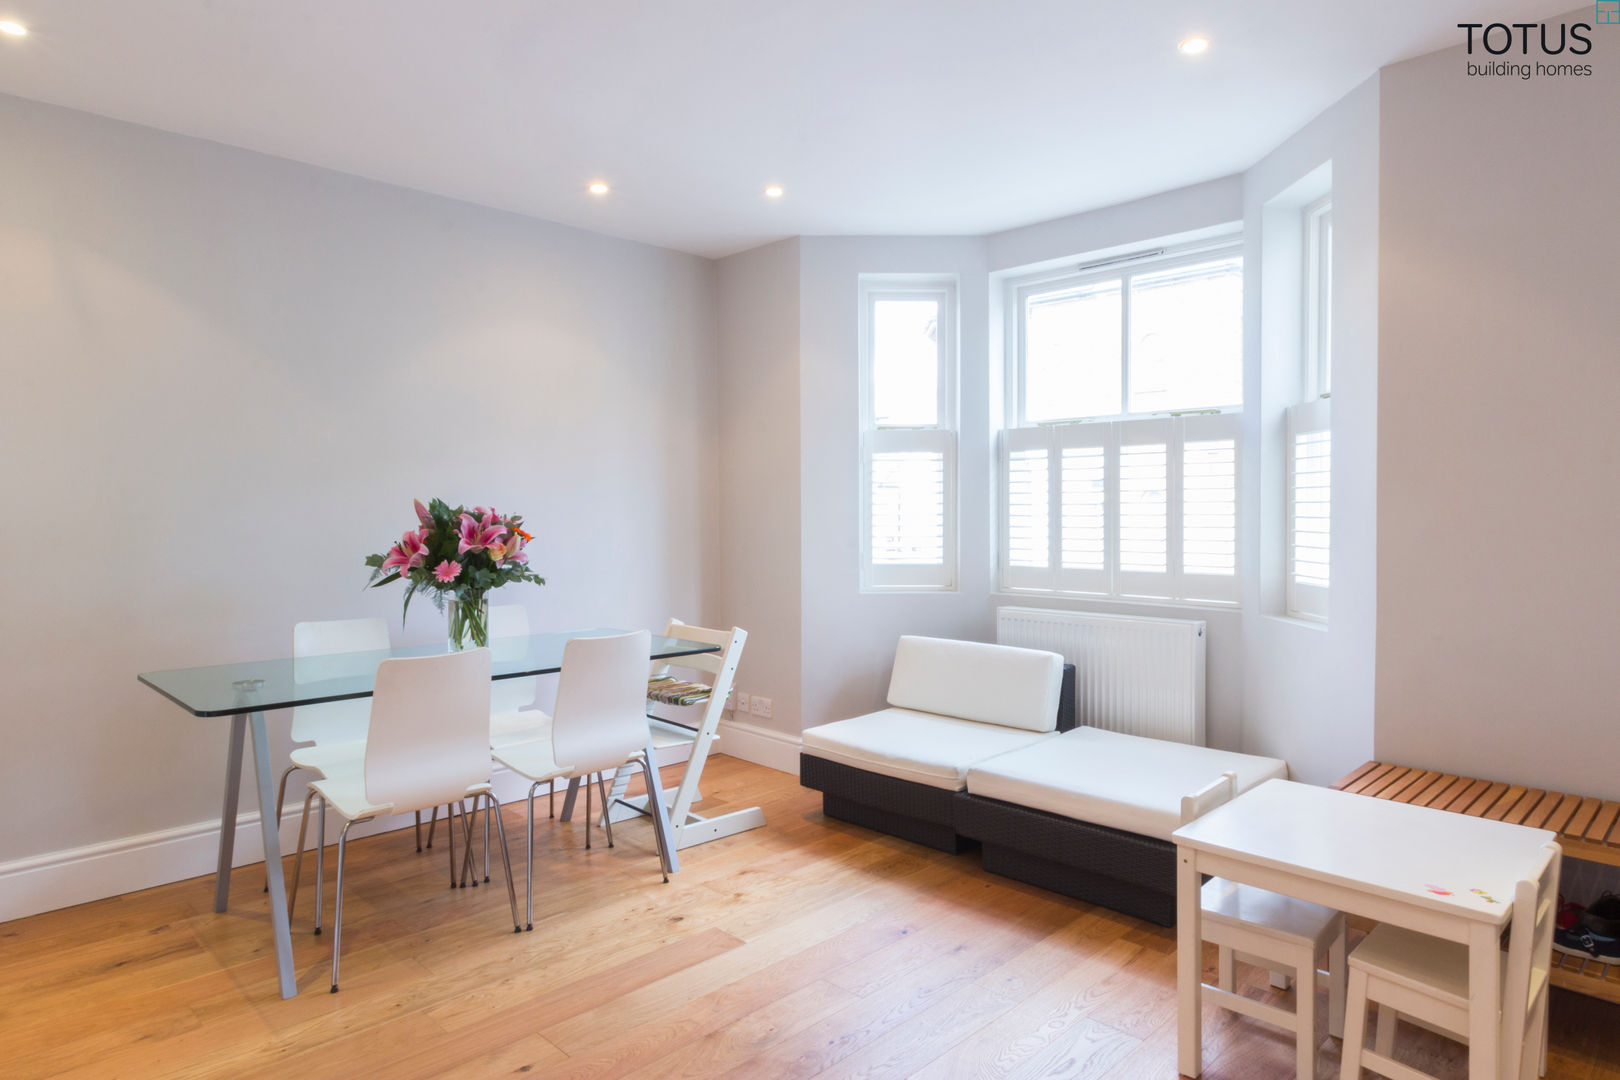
{"x": 1209, "y": 456}
{"x": 1310, "y": 503}
{"x": 910, "y": 486}
{"x": 1147, "y": 472}
{"x": 1026, "y": 521}
{"x": 1087, "y": 475}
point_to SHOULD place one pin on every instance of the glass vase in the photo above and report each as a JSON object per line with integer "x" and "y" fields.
{"x": 468, "y": 622}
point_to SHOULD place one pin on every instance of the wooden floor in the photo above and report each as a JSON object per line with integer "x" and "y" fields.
{"x": 807, "y": 948}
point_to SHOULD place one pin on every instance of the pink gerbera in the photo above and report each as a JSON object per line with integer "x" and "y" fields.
{"x": 447, "y": 571}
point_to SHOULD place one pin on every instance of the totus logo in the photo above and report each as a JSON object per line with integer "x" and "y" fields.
{"x": 1608, "y": 12}
{"x": 1523, "y": 47}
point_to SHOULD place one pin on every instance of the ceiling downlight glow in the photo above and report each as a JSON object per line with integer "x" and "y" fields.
{"x": 15, "y": 29}
{"x": 773, "y": 192}
{"x": 1193, "y": 46}
{"x": 598, "y": 188}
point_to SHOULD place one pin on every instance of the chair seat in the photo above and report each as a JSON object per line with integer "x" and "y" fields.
{"x": 1417, "y": 961}
{"x": 523, "y": 725}
{"x": 1293, "y": 922}
{"x": 925, "y": 748}
{"x": 326, "y": 757}
{"x": 668, "y": 691}
{"x": 345, "y": 792}
{"x": 532, "y": 760}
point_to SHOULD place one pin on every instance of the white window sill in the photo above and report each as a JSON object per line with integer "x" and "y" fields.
{"x": 1078, "y": 599}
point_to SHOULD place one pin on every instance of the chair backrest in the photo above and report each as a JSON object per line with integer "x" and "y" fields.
{"x": 721, "y": 665}
{"x": 335, "y": 721}
{"x": 1217, "y": 791}
{"x": 600, "y": 718}
{"x": 508, "y": 624}
{"x": 1529, "y": 963}
{"x": 972, "y": 680}
{"x": 429, "y": 737}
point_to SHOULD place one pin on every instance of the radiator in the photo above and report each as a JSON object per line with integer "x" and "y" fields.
{"x": 1140, "y": 676}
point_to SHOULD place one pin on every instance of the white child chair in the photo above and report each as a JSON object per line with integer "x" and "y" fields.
{"x": 686, "y": 827}
{"x": 1284, "y": 935}
{"x": 599, "y": 724}
{"x": 1425, "y": 979}
{"x": 427, "y": 745}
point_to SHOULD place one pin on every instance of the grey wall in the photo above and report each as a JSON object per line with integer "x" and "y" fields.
{"x": 226, "y": 377}
{"x": 1499, "y": 451}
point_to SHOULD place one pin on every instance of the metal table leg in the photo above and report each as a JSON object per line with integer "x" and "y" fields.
{"x": 660, "y": 813}
{"x": 279, "y": 926}
{"x": 227, "y": 816}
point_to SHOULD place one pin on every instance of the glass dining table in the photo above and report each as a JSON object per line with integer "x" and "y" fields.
{"x": 244, "y": 692}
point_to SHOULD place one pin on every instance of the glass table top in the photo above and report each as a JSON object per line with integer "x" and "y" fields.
{"x": 261, "y": 685}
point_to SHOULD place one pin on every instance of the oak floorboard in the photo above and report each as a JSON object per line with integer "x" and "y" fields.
{"x": 808, "y": 948}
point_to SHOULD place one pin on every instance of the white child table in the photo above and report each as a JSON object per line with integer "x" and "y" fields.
{"x": 1442, "y": 874}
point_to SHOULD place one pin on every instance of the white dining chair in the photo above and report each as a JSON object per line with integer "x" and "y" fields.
{"x": 1413, "y": 976}
{"x": 599, "y": 724}
{"x": 1279, "y": 933}
{"x": 333, "y": 733}
{"x": 427, "y": 745}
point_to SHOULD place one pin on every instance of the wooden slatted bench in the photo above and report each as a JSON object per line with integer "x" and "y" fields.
{"x": 1587, "y": 828}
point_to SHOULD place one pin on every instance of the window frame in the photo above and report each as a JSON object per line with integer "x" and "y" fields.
{"x": 1318, "y": 288}
{"x": 939, "y": 437}
{"x": 1122, "y": 269}
{"x": 1303, "y": 600}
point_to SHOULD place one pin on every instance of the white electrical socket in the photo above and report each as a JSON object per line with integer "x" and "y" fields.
{"x": 737, "y": 701}
{"x": 760, "y": 706}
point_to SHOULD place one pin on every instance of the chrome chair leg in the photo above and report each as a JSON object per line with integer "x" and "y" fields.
{"x": 337, "y": 907}
{"x": 467, "y": 834}
{"x": 320, "y": 861}
{"x": 450, "y": 831}
{"x": 419, "y": 832}
{"x": 588, "y": 814}
{"x": 298, "y": 862}
{"x": 492, "y": 805}
{"x": 551, "y": 798}
{"x": 607, "y": 818}
{"x": 486, "y": 841}
{"x": 281, "y": 794}
{"x": 530, "y": 924}
{"x": 433, "y": 822}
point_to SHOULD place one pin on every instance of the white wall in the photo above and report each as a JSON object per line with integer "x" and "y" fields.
{"x": 1499, "y": 451}
{"x": 227, "y": 375}
{"x": 849, "y": 636}
{"x": 1308, "y": 688}
{"x": 757, "y": 584}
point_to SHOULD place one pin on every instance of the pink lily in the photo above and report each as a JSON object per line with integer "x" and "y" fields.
{"x": 515, "y": 552}
{"x": 423, "y": 516}
{"x": 477, "y": 535}
{"x": 447, "y": 571}
{"x": 409, "y": 553}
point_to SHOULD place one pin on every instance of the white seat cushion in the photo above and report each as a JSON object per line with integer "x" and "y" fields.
{"x": 918, "y": 746}
{"x": 1122, "y": 781}
{"x": 970, "y": 680}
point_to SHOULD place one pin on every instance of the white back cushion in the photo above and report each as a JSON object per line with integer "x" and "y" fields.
{"x": 992, "y": 684}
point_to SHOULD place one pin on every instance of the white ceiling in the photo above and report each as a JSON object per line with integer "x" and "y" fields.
{"x": 876, "y": 116}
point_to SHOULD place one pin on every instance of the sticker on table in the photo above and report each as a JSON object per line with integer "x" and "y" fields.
{"x": 1437, "y": 890}
{"x": 1485, "y": 896}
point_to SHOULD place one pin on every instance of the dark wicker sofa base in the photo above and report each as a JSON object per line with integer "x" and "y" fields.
{"x": 911, "y": 811}
{"x": 1116, "y": 869}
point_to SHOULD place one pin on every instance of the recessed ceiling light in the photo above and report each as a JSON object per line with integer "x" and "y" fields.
{"x": 773, "y": 192}
{"x": 598, "y": 188}
{"x": 1193, "y": 46}
{"x": 15, "y": 29}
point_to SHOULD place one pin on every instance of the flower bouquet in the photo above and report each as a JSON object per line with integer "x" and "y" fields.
{"x": 458, "y": 556}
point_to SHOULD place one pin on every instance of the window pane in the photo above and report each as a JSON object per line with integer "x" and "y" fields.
{"x": 1144, "y": 534}
{"x": 1028, "y": 509}
{"x": 1325, "y": 306}
{"x": 1209, "y": 507}
{"x": 1187, "y": 337}
{"x": 1071, "y": 353}
{"x": 908, "y": 507}
{"x": 905, "y": 363}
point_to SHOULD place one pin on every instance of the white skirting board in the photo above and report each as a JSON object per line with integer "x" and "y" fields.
{"x": 761, "y": 745}
{"x": 58, "y": 879}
